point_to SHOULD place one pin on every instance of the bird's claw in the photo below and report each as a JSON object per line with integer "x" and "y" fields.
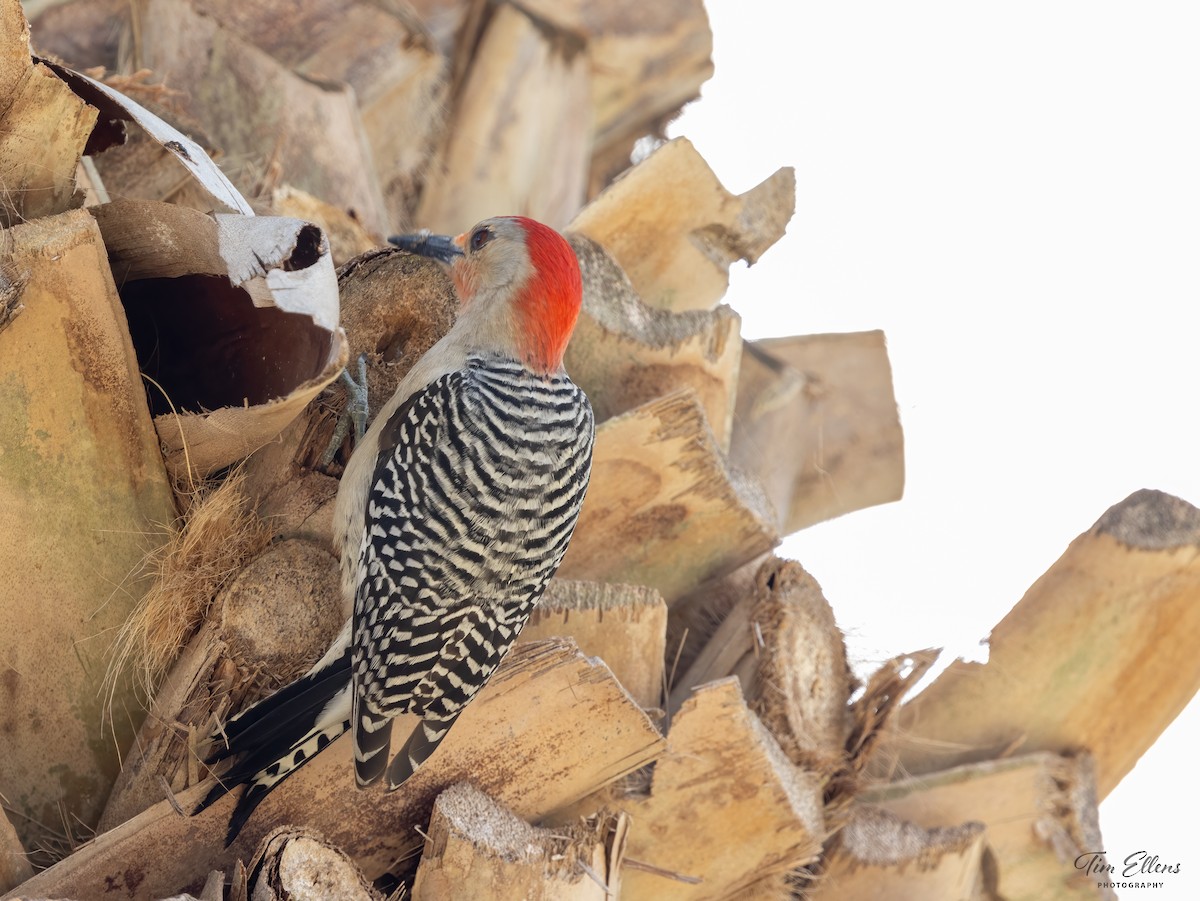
{"x": 356, "y": 412}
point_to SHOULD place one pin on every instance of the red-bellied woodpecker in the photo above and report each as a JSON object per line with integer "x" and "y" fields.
{"x": 453, "y": 514}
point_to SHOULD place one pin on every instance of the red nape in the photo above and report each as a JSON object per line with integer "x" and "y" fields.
{"x": 552, "y": 297}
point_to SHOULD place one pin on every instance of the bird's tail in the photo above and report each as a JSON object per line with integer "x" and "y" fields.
{"x": 418, "y": 748}
{"x": 282, "y": 732}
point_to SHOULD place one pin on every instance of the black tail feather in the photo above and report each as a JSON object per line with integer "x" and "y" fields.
{"x": 278, "y": 713}
{"x": 418, "y": 747}
{"x": 266, "y": 738}
{"x": 252, "y": 796}
{"x": 255, "y": 792}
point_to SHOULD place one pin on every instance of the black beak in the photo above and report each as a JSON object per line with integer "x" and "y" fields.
{"x": 437, "y": 247}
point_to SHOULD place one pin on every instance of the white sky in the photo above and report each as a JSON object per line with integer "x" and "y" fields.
{"x": 1012, "y": 193}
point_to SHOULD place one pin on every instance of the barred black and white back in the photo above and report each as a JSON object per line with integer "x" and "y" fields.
{"x": 474, "y": 500}
{"x": 476, "y": 493}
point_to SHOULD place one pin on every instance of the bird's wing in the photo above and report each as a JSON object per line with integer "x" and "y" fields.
{"x": 393, "y": 626}
{"x": 472, "y": 502}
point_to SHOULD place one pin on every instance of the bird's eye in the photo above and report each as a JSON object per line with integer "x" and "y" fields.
{"x": 480, "y": 237}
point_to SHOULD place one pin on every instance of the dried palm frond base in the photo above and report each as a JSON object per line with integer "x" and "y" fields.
{"x": 220, "y": 534}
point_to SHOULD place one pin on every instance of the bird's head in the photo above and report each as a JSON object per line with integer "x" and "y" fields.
{"x": 518, "y": 282}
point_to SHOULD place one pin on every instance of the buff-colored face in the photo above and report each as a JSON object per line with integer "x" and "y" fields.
{"x": 494, "y": 256}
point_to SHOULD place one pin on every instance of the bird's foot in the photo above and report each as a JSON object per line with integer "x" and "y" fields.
{"x": 355, "y": 414}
